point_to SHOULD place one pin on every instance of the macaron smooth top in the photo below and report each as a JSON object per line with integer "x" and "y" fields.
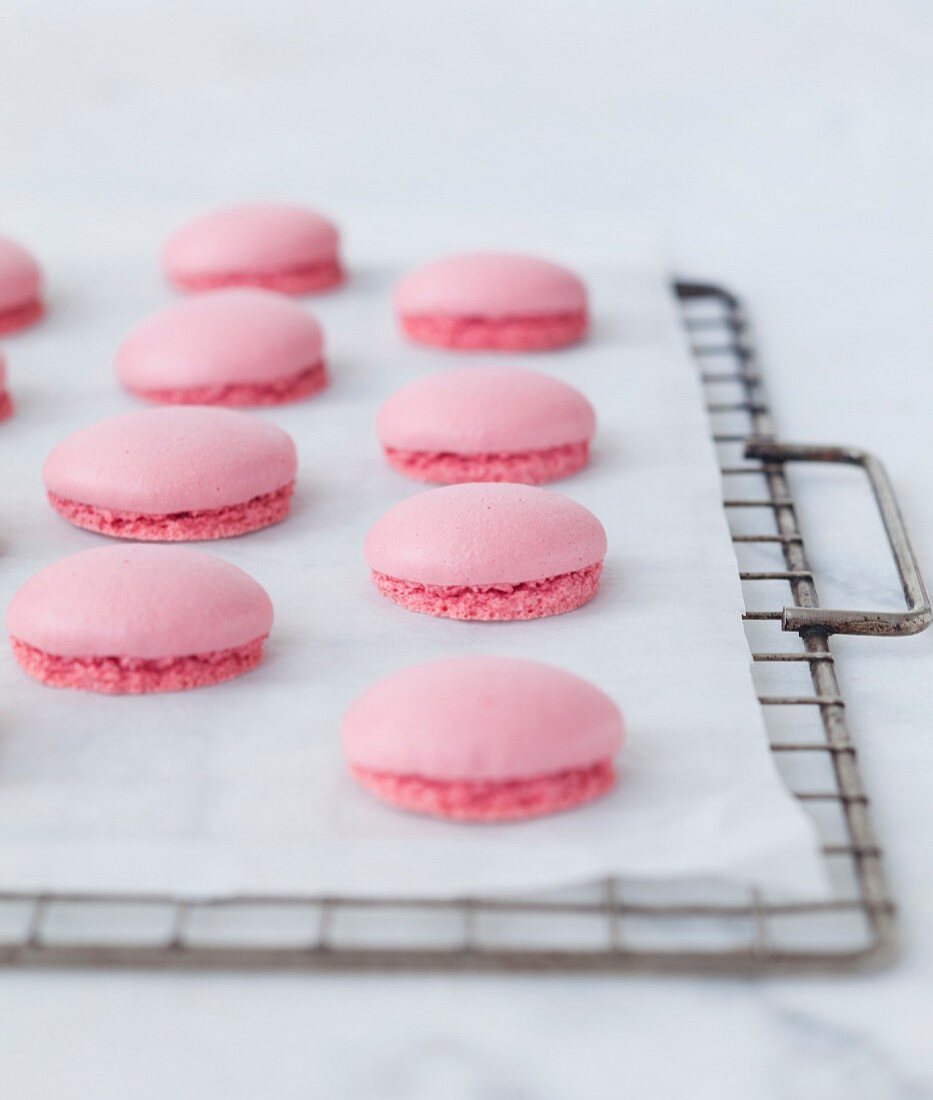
{"x": 145, "y": 602}
{"x": 20, "y": 276}
{"x": 490, "y": 285}
{"x": 237, "y": 336}
{"x": 260, "y": 239}
{"x": 485, "y": 410}
{"x": 168, "y": 460}
{"x": 481, "y": 718}
{"x": 484, "y": 534}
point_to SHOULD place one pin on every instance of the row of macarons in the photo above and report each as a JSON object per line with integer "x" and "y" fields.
{"x": 482, "y": 551}
{"x": 469, "y": 738}
{"x": 244, "y": 345}
{"x": 240, "y": 347}
{"x": 483, "y": 300}
{"x": 477, "y": 739}
{"x": 178, "y": 473}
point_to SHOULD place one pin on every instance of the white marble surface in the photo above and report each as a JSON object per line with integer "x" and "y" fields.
{"x": 784, "y": 147}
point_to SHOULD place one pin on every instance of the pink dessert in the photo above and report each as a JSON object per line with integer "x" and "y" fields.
{"x": 229, "y": 347}
{"x": 492, "y": 301}
{"x": 133, "y": 619}
{"x": 495, "y": 423}
{"x": 483, "y": 739}
{"x": 173, "y": 474}
{"x": 20, "y": 288}
{"x": 6, "y": 402}
{"x": 487, "y": 551}
{"x": 272, "y": 245}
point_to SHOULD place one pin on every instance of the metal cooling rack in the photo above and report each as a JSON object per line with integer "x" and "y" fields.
{"x": 610, "y": 926}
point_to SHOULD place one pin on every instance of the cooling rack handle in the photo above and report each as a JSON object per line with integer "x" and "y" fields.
{"x": 918, "y": 615}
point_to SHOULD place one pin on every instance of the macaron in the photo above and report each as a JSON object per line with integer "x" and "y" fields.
{"x": 483, "y": 739}
{"x": 229, "y": 347}
{"x": 20, "y": 288}
{"x": 134, "y": 619}
{"x": 486, "y": 423}
{"x": 487, "y": 551}
{"x": 492, "y": 301}
{"x": 6, "y": 401}
{"x": 273, "y": 245}
{"x": 173, "y": 474}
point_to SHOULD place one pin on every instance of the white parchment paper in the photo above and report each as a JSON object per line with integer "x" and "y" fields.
{"x": 242, "y": 786}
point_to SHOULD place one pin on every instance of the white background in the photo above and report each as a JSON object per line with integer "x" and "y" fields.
{"x": 783, "y": 147}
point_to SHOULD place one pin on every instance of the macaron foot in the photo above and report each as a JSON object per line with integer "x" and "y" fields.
{"x": 137, "y": 676}
{"x": 532, "y": 333}
{"x": 279, "y": 391}
{"x": 525, "y": 468}
{"x": 490, "y": 801}
{"x": 495, "y": 603}
{"x": 20, "y": 317}
{"x": 217, "y": 523}
{"x": 296, "y": 281}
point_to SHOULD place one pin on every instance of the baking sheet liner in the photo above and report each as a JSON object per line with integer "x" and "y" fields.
{"x": 241, "y": 787}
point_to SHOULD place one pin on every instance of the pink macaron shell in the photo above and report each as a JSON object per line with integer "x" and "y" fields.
{"x": 490, "y": 285}
{"x": 20, "y": 287}
{"x": 484, "y": 534}
{"x": 167, "y": 460}
{"x": 274, "y": 245}
{"x": 139, "y": 602}
{"x": 485, "y": 410}
{"x": 481, "y": 718}
{"x": 217, "y": 342}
